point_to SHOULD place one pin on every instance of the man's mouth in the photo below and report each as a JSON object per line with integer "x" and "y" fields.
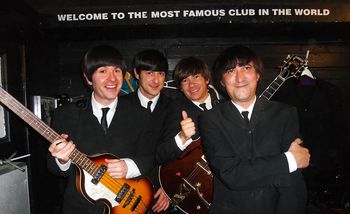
{"x": 111, "y": 86}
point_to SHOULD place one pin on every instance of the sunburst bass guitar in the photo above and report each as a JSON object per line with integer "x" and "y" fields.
{"x": 122, "y": 196}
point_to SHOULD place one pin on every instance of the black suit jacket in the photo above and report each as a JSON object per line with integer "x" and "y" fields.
{"x": 321, "y": 124}
{"x": 251, "y": 173}
{"x": 155, "y": 124}
{"x": 167, "y": 148}
{"x": 125, "y": 139}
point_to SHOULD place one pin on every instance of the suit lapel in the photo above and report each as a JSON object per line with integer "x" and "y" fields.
{"x": 257, "y": 113}
{"x": 162, "y": 102}
{"x": 234, "y": 123}
{"x": 235, "y": 116}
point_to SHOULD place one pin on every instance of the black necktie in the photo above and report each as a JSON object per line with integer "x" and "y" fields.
{"x": 149, "y": 105}
{"x": 104, "y": 119}
{"x": 245, "y": 116}
{"x": 203, "y": 106}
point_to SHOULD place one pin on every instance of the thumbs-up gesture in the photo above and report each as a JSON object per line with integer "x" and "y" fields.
{"x": 188, "y": 128}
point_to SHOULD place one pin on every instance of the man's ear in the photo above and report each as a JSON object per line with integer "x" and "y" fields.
{"x": 222, "y": 84}
{"x": 87, "y": 80}
{"x": 137, "y": 76}
{"x": 207, "y": 81}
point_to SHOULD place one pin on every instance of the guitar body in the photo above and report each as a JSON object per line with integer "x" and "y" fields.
{"x": 186, "y": 182}
{"x": 108, "y": 187}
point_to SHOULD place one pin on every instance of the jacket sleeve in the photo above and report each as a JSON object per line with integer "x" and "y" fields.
{"x": 167, "y": 148}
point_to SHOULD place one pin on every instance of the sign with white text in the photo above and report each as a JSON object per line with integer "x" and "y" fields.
{"x": 181, "y": 14}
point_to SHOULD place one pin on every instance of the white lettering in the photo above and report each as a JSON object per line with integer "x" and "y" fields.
{"x": 82, "y": 17}
{"x": 263, "y": 12}
{"x": 119, "y": 15}
{"x": 241, "y": 12}
{"x": 312, "y": 12}
{"x": 203, "y": 13}
{"x": 165, "y": 14}
{"x": 138, "y": 15}
{"x": 282, "y": 12}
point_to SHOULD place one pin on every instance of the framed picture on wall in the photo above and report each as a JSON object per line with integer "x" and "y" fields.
{"x": 4, "y": 120}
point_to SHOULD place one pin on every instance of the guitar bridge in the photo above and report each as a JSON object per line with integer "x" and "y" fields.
{"x": 182, "y": 192}
{"x": 100, "y": 172}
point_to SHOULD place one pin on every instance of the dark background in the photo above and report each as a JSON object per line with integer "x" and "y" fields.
{"x": 43, "y": 55}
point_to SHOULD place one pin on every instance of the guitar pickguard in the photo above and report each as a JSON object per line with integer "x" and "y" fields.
{"x": 98, "y": 191}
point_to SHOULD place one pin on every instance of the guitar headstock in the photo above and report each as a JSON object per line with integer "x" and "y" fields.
{"x": 293, "y": 66}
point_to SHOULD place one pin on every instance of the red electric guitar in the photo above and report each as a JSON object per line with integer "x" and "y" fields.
{"x": 188, "y": 181}
{"x": 122, "y": 196}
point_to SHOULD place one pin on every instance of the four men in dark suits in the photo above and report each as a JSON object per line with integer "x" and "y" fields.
{"x": 252, "y": 144}
{"x": 255, "y": 158}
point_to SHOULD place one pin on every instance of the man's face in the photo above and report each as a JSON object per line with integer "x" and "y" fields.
{"x": 150, "y": 82}
{"x": 106, "y": 83}
{"x": 195, "y": 87}
{"x": 241, "y": 83}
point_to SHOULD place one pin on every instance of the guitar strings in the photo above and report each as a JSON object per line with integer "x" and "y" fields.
{"x": 108, "y": 181}
{"x": 18, "y": 108}
{"x": 198, "y": 172}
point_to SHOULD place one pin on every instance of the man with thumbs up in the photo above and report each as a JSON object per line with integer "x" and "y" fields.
{"x": 181, "y": 124}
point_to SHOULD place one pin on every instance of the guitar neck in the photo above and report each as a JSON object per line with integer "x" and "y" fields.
{"x": 273, "y": 87}
{"x": 42, "y": 128}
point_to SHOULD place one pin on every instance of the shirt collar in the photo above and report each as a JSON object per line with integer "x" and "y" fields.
{"x": 207, "y": 102}
{"x": 144, "y": 100}
{"x": 249, "y": 109}
{"x": 96, "y": 107}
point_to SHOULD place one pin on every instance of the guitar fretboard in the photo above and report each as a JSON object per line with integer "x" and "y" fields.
{"x": 46, "y": 131}
{"x": 273, "y": 87}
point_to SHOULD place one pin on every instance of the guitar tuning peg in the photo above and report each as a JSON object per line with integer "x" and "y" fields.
{"x": 287, "y": 58}
{"x": 307, "y": 54}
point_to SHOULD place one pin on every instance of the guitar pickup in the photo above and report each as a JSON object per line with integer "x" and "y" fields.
{"x": 122, "y": 192}
{"x": 137, "y": 201}
{"x": 100, "y": 172}
{"x": 128, "y": 200}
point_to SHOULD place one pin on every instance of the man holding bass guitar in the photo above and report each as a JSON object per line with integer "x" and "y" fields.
{"x": 192, "y": 76}
{"x": 105, "y": 124}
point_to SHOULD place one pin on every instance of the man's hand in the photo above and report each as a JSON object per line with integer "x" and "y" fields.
{"x": 301, "y": 154}
{"x": 162, "y": 202}
{"x": 61, "y": 149}
{"x": 188, "y": 128}
{"x": 116, "y": 168}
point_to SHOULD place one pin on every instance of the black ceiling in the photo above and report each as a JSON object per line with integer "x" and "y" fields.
{"x": 32, "y": 19}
